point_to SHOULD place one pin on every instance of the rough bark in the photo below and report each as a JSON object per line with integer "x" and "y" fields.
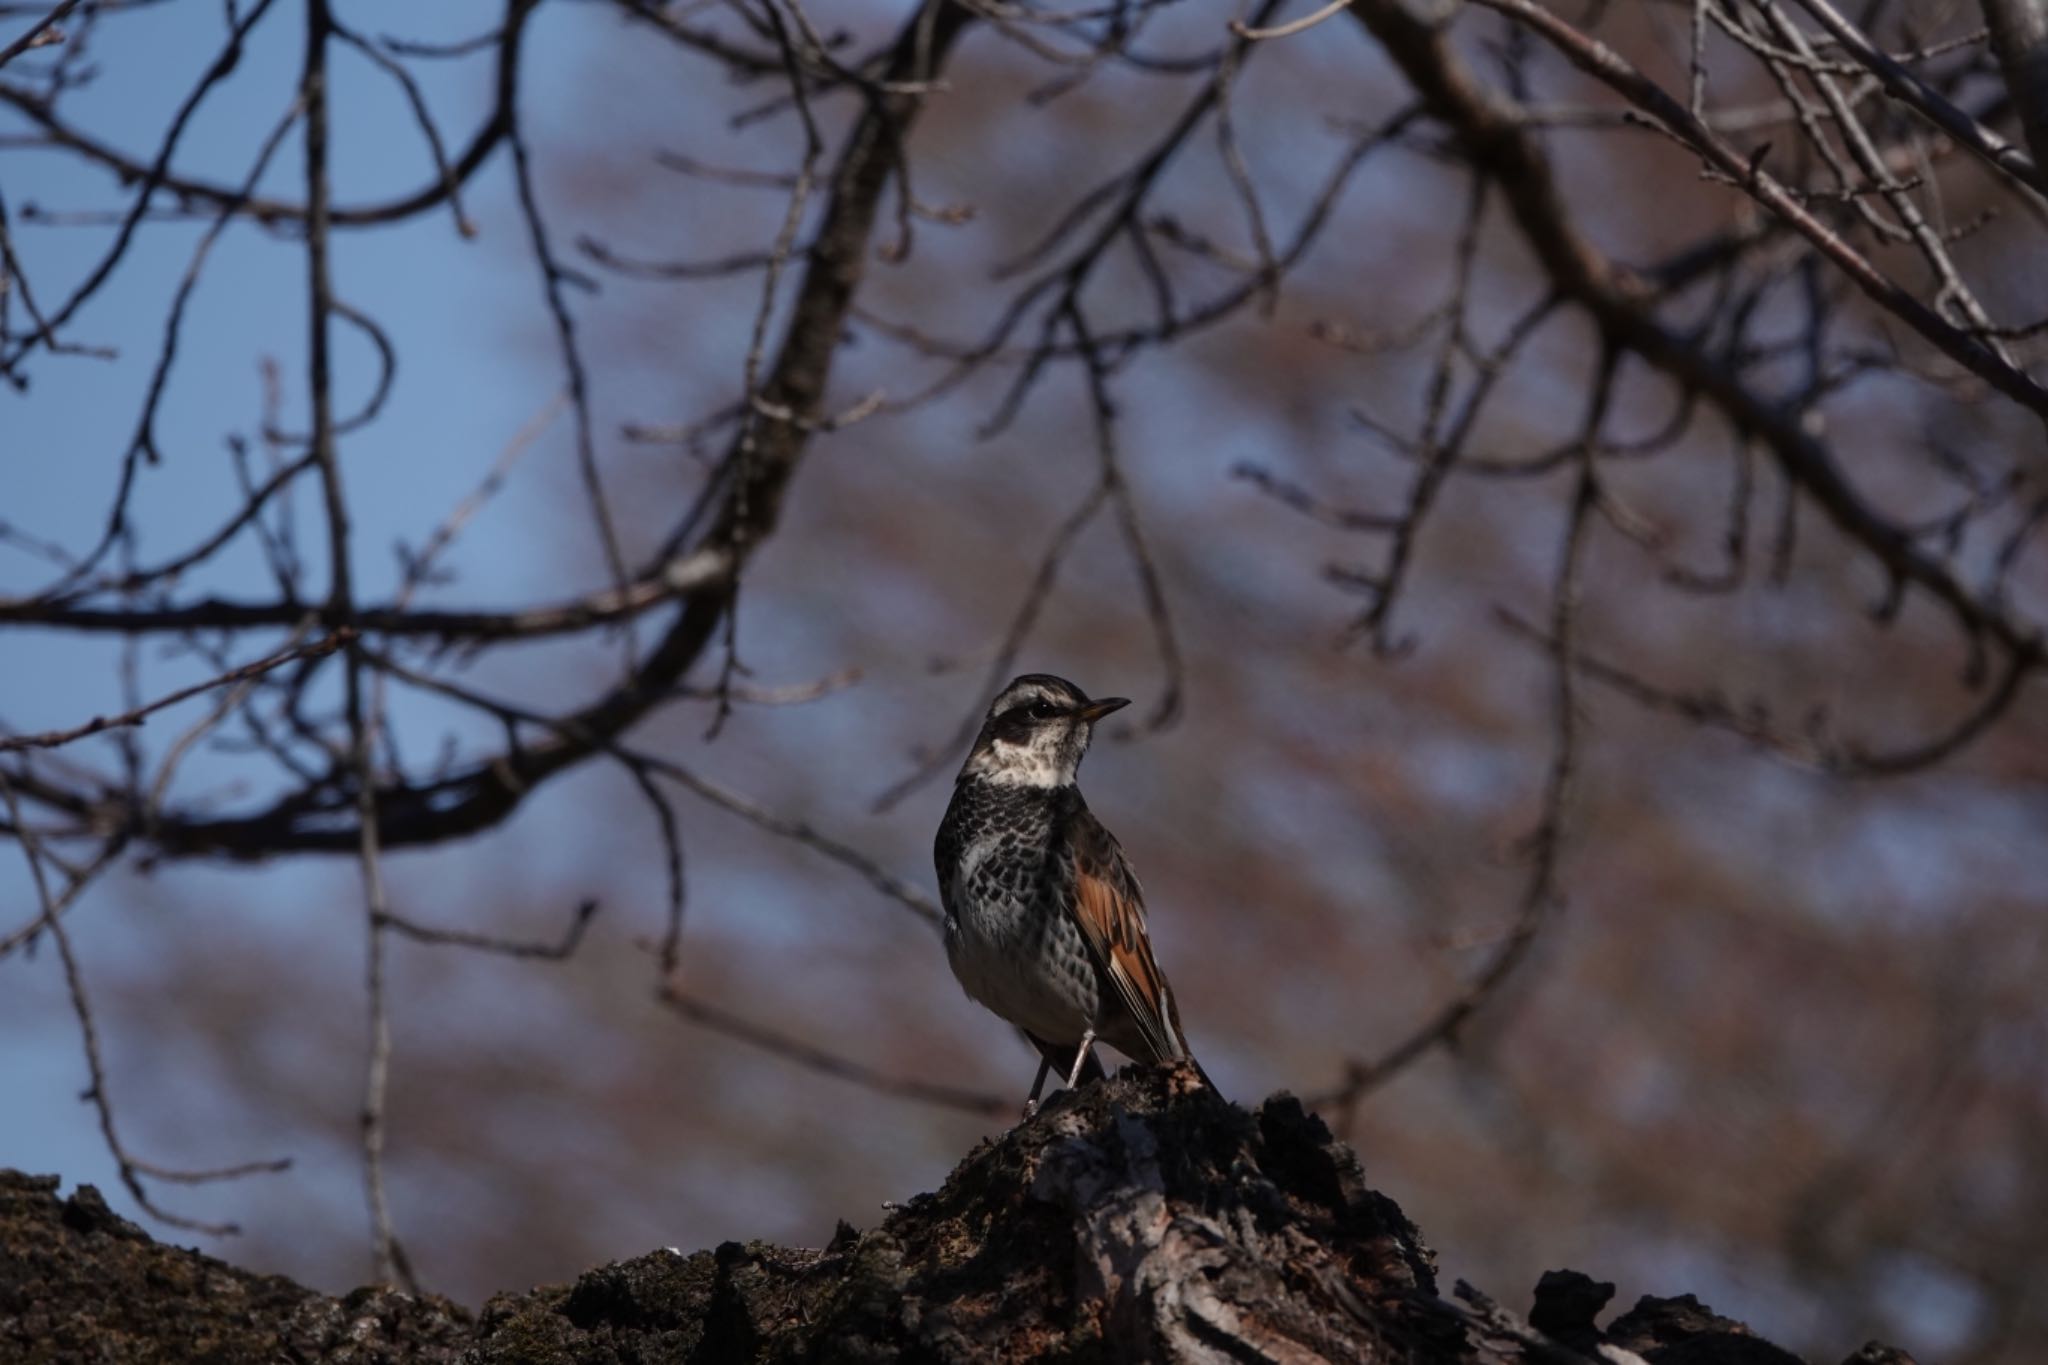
{"x": 1141, "y": 1219}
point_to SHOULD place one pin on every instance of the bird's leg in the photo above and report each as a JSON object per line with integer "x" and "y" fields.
{"x": 1080, "y": 1058}
{"x": 1031, "y": 1102}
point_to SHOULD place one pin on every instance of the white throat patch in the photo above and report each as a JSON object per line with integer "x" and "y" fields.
{"x": 1046, "y": 763}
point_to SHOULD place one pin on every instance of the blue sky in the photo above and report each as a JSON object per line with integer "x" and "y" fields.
{"x": 454, "y": 406}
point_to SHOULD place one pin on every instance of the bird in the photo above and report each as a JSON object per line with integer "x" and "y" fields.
{"x": 1044, "y": 919}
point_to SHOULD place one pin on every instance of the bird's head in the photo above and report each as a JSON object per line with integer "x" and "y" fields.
{"x": 1037, "y": 729}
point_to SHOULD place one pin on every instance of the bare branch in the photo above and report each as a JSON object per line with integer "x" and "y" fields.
{"x": 562, "y": 950}
{"x": 41, "y": 33}
{"x": 1621, "y": 302}
{"x": 1604, "y": 64}
{"x": 1546, "y": 841}
{"x": 1901, "y": 84}
{"x": 132, "y": 1169}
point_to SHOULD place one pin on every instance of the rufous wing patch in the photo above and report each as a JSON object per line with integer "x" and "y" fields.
{"x": 1111, "y": 914}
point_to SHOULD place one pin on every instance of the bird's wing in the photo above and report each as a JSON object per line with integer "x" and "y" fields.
{"x": 1110, "y": 909}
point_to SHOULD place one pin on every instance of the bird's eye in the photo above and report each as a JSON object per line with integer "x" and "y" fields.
{"x": 1043, "y": 710}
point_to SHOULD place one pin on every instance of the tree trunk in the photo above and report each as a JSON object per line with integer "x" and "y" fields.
{"x": 1140, "y": 1219}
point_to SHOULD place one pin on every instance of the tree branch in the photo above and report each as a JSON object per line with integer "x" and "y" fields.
{"x": 487, "y": 791}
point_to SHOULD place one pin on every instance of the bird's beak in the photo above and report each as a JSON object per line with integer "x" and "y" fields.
{"x": 1096, "y": 710}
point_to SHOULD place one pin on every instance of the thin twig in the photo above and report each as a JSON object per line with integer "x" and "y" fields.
{"x": 813, "y": 1058}
{"x": 1001, "y": 666}
{"x": 1545, "y": 843}
{"x": 41, "y": 33}
{"x": 1290, "y": 28}
{"x": 131, "y": 1168}
{"x": 558, "y": 951}
{"x": 50, "y": 739}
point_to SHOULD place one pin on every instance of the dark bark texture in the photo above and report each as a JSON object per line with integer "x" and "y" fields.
{"x": 1141, "y": 1219}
